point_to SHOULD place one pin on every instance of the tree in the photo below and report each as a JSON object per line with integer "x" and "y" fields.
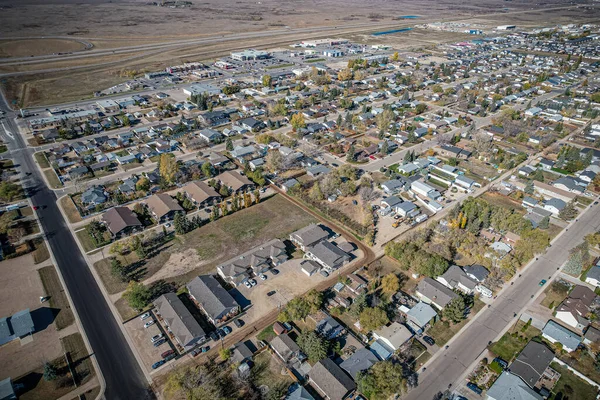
{"x": 267, "y": 80}
{"x": 455, "y": 310}
{"x": 143, "y": 184}
{"x": 395, "y": 56}
{"x": 137, "y": 295}
{"x": 544, "y": 223}
{"x": 297, "y": 121}
{"x": 373, "y": 318}
{"x": 167, "y": 167}
{"x": 208, "y": 170}
{"x": 351, "y": 155}
{"x": 345, "y": 75}
{"x": 229, "y": 144}
{"x": 313, "y": 345}
{"x": 225, "y": 353}
{"x": 382, "y": 381}
{"x": 358, "y": 305}
{"x": 569, "y": 212}
{"x": 390, "y": 284}
{"x": 256, "y": 196}
{"x": 297, "y": 308}
{"x": 9, "y": 191}
{"x": 50, "y": 372}
{"x": 314, "y": 299}
{"x": 117, "y": 270}
{"x": 421, "y": 108}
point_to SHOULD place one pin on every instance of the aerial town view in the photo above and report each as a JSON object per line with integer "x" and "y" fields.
{"x": 299, "y": 200}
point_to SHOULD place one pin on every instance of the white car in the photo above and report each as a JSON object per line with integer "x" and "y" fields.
{"x": 156, "y": 338}
{"x": 149, "y": 323}
{"x": 248, "y": 284}
{"x": 145, "y": 316}
{"x": 262, "y": 276}
{"x": 252, "y": 282}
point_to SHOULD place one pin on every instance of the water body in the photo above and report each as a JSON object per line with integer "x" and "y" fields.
{"x": 392, "y": 31}
{"x": 409, "y": 16}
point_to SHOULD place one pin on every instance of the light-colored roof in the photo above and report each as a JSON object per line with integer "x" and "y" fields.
{"x": 234, "y": 180}
{"x": 161, "y": 204}
{"x": 421, "y": 313}
{"x": 396, "y": 334}
{"x": 436, "y": 292}
{"x": 561, "y": 334}
{"x": 200, "y": 191}
{"x": 511, "y": 387}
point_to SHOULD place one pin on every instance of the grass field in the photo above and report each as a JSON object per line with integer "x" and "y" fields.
{"x": 442, "y": 332}
{"x": 583, "y": 362}
{"x": 555, "y": 294}
{"x": 58, "y": 298}
{"x": 571, "y": 387}
{"x": 41, "y": 253}
{"x": 513, "y": 341}
{"x": 80, "y": 359}
{"x": 36, "y": 388}
{"x": 70, "y": 210}
{"x": 41, "y": 159}
{"x": 53, "y": 180}
{"x": 503, "y": 201}
{"x": 267, "y": 371}
{"x": 87, "y": 242}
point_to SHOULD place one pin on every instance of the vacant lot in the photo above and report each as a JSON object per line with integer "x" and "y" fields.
{"x": 267, "y": 371}
{"x": 69, "y": 209}
{"x": 571, "y": 387}
{"x": 36, "y": 47}
{"x": 503, "y": 201}
{"x": 58, "y": 299}
{"x": 513, "y": 341}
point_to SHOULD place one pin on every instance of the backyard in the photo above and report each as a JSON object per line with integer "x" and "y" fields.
{"x": 570, "y": 387}
{"x": 513, "y": 341}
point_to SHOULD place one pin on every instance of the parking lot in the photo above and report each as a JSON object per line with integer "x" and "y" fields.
{"x": 142, "y": 339}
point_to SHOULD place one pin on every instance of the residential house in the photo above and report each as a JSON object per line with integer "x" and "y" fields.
{"x": 453, "y": 151}
{"x": 121, "y": 220}
{"x": 532, "y": 362}
{"x": 456, "y": 278}
{"x": 241, "y": 353}
{"x": 216, "y": 302}
{"x": 392, "y": 336}
{"x": 433, "y": 292}
{"x": 591, "y": 336}
{"x": 94, "y": 196}
{"x": 17, "y": 326}
{"x": 235, "y": 181}
{"x": 568, "y": 184}
{"x": 556, "y": 333}
{"x": 511, "y": 387}
{"x": 299, "y": 393}
{"x": 329, "y": 328}
{"x": 179, "y": 321}
{"x": 593, "y": 276}
{"x": 163, "y": 207}
{"x": 308, "y": 236}
{"x": 393, "y": 186}
{"x": 201, "y": 194}
{"x": 574, "y": 310}
{"x": 251, "y": 124}
{"x": 284, "y": 347}
{"x": 555, "y": 206}
{"x": 419, "y": 316}
{"x": 288, "y": 184}
{"x": 328, "y": 255}
{"x": 464, "y": 182}
{"x": 476, "y": 272}
{"x": 360, "y": 361}
{"x": 256, "y": 260}
{"x": 357, "y": 285}
{"x": 210, "y": 135}
{"x": 317, "y": 170}
{"x": 330, "y": 380}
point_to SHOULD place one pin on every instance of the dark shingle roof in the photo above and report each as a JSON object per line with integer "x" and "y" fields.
{"x": 331, "y": 379}
{"x": 532, "y": 362}
{"x": 210, "y": 294}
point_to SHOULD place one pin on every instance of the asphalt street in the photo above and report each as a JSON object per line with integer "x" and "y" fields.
{"x": 122, "y": 374}
{"x": 447, "y": 368}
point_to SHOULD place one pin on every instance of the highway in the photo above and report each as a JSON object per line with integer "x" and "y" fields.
{"x": 465, "y": 348}
{"x": 122, "y": 374}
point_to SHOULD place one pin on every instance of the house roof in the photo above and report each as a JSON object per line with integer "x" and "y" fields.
{"x": 561, "y": 334}
{"x": 594, "y": 272}
{"x": 300, "y": 393}
{"x": 381, "y": 350}
{"x": 435, "y": 291}
{"x": 328, "y": 253}
{"x": 455, "y": 275}
{"x": 215, "y": 300}
{"x": 396, "y": 334}
{"x": 360, "y": 361}
{"x": 179, "y": 319}
{"x": 200, "y": 191}
{"x": 331, "y": 379}
{"x": 161, "y": 204}
{"x": 478, "y": 271}
{"x": 511, "y": 387}
{"x": 253, "y": 258}
{"x": 284, "y": 345}
{"x": 532, "y": 362}
{"x": 592, "y": 334}
{"x": 119, "y": 218}
{"x": 234, "y": 180}
{"x": 309, "y": 235}
{"x": 579, "y": 301}
{"x": 421, "y": 313}
{"x": 241, "y": 352}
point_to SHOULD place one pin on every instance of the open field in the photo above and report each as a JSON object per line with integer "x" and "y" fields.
{"x": 69, "y": 209}
{"x": 58, "y": 299}
{"x": 36, "y": 47}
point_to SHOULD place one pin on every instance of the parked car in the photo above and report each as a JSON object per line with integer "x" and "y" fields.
{"x": 324, "y": 273}
{"x": 214, "y": 335}
{"x": 155, "y": 338}
{"x": 145, "y": 316}
{"x": 501, "y": 362}
{"x": 474, "y": 387}
{"x": 227, "y": 330}
{"x": 275, "y": 271}
{"x": 247, "y": 284}
{"x": 205, "y": 349}
{"x": 287, "y": 326}
{"x": 239, "y": 323}
{"x": 542, "y": 282}
{"x": 271, "y": 293}
{"x": 429, "y": 340}
{"x": 170, "y": 357}
{"x": 158, "y": 364}
{"x": 196, "y": 351}
{"x": 160, "y": 342}
{"x": 252, "y": 282}
{"x": 221, "y": 333}
{"x": 263, "y": 277}
{"x": 167, "y": 353}
{"x": 149, "y": 323}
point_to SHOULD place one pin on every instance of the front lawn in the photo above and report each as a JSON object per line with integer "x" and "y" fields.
{"x": 58, "y": 299}
{"x": 513, "y": 341}
{"x": 69, "y": 208}
{"x": 443, "y": 331}
{"x": 554, "y": 294}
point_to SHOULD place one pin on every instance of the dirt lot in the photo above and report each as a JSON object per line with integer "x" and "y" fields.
{"x": 21, "y": 285}
{"x": 36, "y": 47}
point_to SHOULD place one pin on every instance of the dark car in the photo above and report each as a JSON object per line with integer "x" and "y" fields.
{"x": 167, "y": 353}
{"x": 275, "y": 271}
{"x": 159, "y": 342}
{"x": 196, "y": 351}
{"x": 239, "y": 323}
{"x": 474, "y": 387}
{"x": 227, "y": 330}
{"x": 501, "y": 362}
{"x": 170, "y": 357}
{"x": 158, "y": 364}
{"x": 271, "y": 293}
{"x": 214, "y": 335}
{"x": 428, "y": 340}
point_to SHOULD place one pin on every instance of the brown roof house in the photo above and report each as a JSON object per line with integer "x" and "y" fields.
{"x": 235, "y": 181}
{"x": 330, "y": 380}
{"x": 179, "y": 321}
{"x": 574, "y": 309}
{"x": 121, "y": 220}
{"x": 163, "y": 207}
{"x": 308, "y": 236}
{"x": 201, "y": 193}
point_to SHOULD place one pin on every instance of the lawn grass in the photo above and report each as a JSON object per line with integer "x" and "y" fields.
{"x": 503, "y": 201}
{"x": 267, "y": 371}
{"x": 41, "y": 159}
{"x": 513, "y": 341}
{"x": 87, "y": 242}
{"x": 437, "y": 182}
{"x": 314, "y": 60}
{"x": 36, "y": 388}
{"x": 70, "y": 210}
{"x": 582, "y": 361}
{"x": 570, "y": 386}
{"x": 41, "y": 253}
{"x": 26, "y": 211}
{"x": 443, "y": 331}
{"x": 79, "y": 357}
{"x": 3, "y": 148}
{"x": 58, "y": 299}
{"x": 266, "y": 334}
{"x": 279, "y": 66}
{"x": 554, "y": 296}
{"x": 113, "y": 284}
{"x": 124, "y": 310}
{"x": 584, "y": 201}
{"x": 53, "y": 180}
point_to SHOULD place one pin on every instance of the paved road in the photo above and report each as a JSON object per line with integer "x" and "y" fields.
{"x": 465, "y": 349}
{"x": 122, "y": 374}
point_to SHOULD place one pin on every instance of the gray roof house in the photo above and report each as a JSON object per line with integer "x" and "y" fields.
{"x": 532, "y": 362}
{"x": 511, "y": 387}
{"x": 308, "y": 236}
{"x": 329, "y": 328}
{"x": 179, "y": 320}
{"x": 93, "y": 196}
{"x": 419, "y": 316}
{"x": 456, "y": 278}
{"x": 433, "y": 292}
{"x": 18, "y": 325}
{"x": 328, "y": 255}
{"x": 330, "y": 380}
{"x": 476, "y": 272}
{"x": 558, "y": 333}
{"x": 210, "y": 135}
{"x": 593, "y": 276}
{"x": 360, "y": 361}
{"x": 284, "y": 347}
{"x": 299, "y": 393}
{"x": 216, "y": 302}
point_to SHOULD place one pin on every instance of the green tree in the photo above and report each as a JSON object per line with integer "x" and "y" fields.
{"x": 382, "y": 381}
{"x": 137, "y": 295}
{"x": 225, "y": 353}
{"x": 358, "y": 305}
{"x": 267, "y": 80}
{"x": 313, "y": 345}
{"x": 373, "y": 318}
{"x": 544, "y": 223}
{"x": 297, "y": 121}
{"x": 390, "y": 284}
{"x": 9, "y": 191}
{"x": 167, "y": 167}
{"x": 50, "y": 372}
{"x": 351, "y": 155}
{"x": 569, "y": 212}
{"x": 455, "y": 310}
{"x": 143, "y": 184}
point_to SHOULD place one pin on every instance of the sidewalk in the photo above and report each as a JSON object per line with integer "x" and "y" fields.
{"x": 89, "y": 385}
